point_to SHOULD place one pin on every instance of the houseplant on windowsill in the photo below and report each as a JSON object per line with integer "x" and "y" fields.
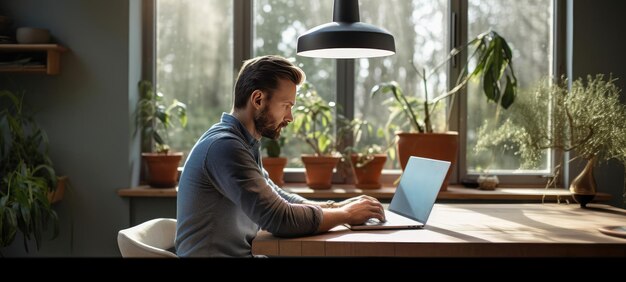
{"x": 28, "y": 178}
{"x": 273, "y": 163}
{"x": 588, "y": 119}
{"x": 367, "y": 160}
{"x": 493, "y": 66}
{"x": 313, "y": 123}
{"x": 154, "y": 118}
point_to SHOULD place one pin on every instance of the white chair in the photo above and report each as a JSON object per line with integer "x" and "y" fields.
{"x": 150, "y": 239}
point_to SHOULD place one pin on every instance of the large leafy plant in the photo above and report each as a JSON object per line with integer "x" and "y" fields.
{"x": 27, "y": 175}
{"x": 154, "y": 117}
{"x": 492, "y": 56}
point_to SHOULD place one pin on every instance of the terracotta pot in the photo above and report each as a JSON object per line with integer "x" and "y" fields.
{"x": 57, "y": 194}
{"x": 368, "y": 176}
{"x": 439, "y": 146}
{"x": 275, "y": 168}
{"x": 319, "y": 170}
{"x": 162, "y": 169}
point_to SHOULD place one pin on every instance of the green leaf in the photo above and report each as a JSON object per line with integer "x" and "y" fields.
{"x": 497, "y": 60}
{"x": 297, "y": 124}
{"x": 509, "y": 93}
{"x": 488, "y": 86}
{"x": 323, "y": 143}
{"x": 8, "y": 224}
{"x": 37, "y": 225}
{"x": 157, "y": 138}
{"x": 507, "y": 51}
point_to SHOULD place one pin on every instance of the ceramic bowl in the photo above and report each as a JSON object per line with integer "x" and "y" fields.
{"x": 31, "y": 35}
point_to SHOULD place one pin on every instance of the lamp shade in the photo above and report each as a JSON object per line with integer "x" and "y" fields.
{"x": 346, "y": 37}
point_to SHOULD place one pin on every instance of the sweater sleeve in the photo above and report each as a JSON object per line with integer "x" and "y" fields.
{"x": 233, "y": 171}
{"x": 290, "y": 197}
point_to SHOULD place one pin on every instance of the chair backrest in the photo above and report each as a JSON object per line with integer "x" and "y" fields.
{"x": 150, "y": 239}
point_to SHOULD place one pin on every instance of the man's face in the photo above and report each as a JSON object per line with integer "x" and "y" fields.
{"x": 276, "y": 112}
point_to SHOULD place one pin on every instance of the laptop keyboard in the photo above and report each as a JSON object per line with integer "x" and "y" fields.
{"x": 373, "y": 221}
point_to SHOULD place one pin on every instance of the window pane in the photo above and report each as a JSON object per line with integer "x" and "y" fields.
{"x": 194, "y": 56}
{"x": 420, "y": 31}
{"x": 527, "y": 26}
{"x": 277, "y": 25}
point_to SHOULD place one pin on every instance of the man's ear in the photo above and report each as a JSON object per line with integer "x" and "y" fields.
{"x": 257, "y": 98}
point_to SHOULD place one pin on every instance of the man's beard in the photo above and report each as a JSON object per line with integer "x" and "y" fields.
{"x": 265, "y": 127}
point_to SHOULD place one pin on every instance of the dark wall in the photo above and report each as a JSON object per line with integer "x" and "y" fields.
{"x": 598, "y": 39}
{"x": 86, "y": 113}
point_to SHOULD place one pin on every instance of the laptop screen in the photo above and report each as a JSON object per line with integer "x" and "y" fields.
{"x": 419, "y": 185}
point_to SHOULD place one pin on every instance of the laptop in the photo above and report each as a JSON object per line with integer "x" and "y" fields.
{"x": 414, "y": 197}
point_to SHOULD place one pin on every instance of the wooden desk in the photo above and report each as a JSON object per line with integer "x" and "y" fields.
{"x": 472, "y": 230}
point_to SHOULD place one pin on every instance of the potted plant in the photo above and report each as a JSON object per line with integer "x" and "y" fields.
{"x": 493, "y": 66}
{"x": 28, "y": 178}
{"x": 585, "y": 119}
{"x": 313, "y": 120}
{"x": 273, "y": 163}
{"x": 154, "y": 118}
{"x": 366, "y": 159}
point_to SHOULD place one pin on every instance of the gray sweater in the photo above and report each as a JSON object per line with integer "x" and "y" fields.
{"x": 225, "y": 195}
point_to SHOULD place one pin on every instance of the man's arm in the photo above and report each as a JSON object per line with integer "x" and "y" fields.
{"x": 234, "y": 172}
{"x": 332, "y": 204}
{"x": 337, "y": 213}
{"x": 289, "y": 197}
{"x": 354, "y": 212}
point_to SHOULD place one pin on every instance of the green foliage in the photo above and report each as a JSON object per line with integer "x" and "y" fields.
{"x": 27, "y": 175}
{"x": 588, "y": 119}
{"x": 493, "y": 65}
{"x": 313, "y": 120}
{"x": 273, "y": 146}
{"x": 155, "y": 118}
{"x": 358, "y": 130}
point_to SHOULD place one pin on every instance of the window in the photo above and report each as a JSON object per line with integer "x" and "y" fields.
{"x": 422, "y": 24}
{"x": 527, "y": 27}
{"x": 277, "y": 24}
{"x": 195, "y": 44}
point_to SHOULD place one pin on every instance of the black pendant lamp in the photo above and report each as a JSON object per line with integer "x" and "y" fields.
{"x": 346, "y": 37}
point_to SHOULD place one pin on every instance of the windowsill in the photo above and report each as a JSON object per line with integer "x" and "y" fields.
{"x": 343, "y": 191}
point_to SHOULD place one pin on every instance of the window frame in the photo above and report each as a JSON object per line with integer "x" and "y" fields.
{"x": 243, "y": 32}
{"x": 558, "y": 32}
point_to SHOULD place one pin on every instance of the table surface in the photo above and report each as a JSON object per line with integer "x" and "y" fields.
{"x": 472, "y": 230}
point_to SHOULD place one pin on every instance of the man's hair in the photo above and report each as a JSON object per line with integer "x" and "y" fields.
{"x": 262, "y": 73}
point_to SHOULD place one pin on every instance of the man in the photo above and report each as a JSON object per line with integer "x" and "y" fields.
{"x": 225, "y": 195}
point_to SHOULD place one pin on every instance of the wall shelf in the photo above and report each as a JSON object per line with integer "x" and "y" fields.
{"x": 52, "y": 53}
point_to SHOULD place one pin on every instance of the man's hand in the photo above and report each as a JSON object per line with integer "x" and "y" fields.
{"x": 362, "y": 208}
{"x": 353, "y": 199}
{"x": 355, "y": 210}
